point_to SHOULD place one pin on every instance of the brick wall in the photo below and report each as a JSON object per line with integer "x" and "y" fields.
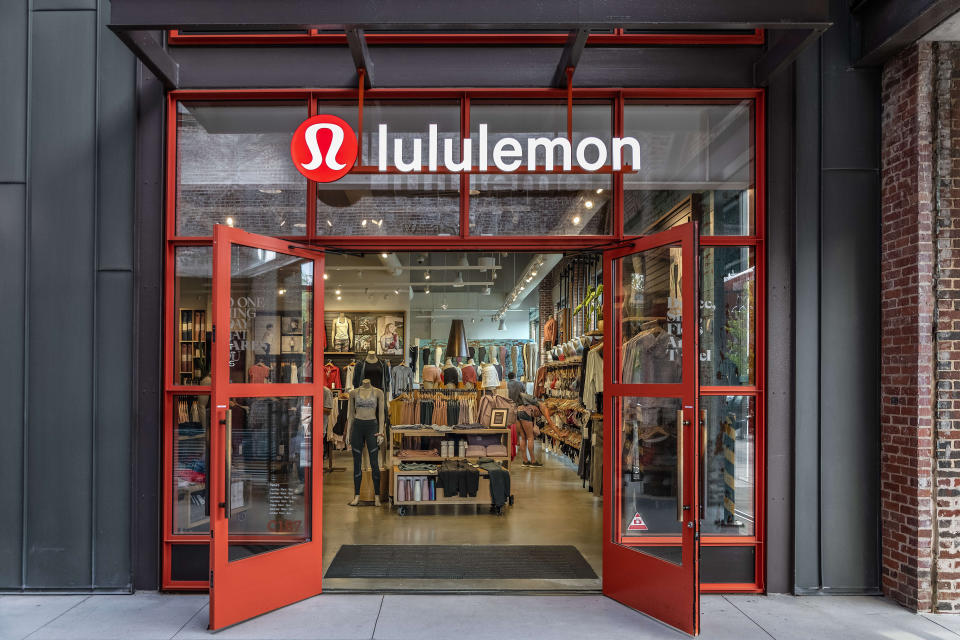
{"x": 920, "y": 347}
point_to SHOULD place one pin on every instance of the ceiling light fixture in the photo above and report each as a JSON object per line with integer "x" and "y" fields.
{"x": 363, "y": 222}
{"x": 576, "y": 219}
{"x": 329, "y": 224}
{"x": 426, "y": 290}
{"x": 599, "y": 191}
{"x": 459, "y": 281}
{"x": 588, "y": 204}
{"x": 464, "y": 262}
{"x": 230, "y": 222}
{"x": 339, "y": 297}
{"x": 280, "y": 292}
{"x": 384, "y": 255}
{"x": 326, "y": 276}
{"x": 426, "y": 275}
{"x": 337, "y": 292}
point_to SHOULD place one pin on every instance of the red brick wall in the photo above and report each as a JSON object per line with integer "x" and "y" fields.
{"x": 920, "y": 348}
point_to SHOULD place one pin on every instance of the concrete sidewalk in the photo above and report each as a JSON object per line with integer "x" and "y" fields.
{"x": 154, "y": 616}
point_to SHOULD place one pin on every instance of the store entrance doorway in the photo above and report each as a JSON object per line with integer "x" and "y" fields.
{"x": 646, "y": 444}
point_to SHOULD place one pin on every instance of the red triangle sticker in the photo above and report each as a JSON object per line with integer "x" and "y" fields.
{"x": 637, "y": 524}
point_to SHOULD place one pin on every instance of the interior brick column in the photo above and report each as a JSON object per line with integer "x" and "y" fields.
{"x": 907, "y": 358}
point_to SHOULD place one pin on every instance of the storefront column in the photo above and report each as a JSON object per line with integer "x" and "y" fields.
{"x": 920, "y": 384}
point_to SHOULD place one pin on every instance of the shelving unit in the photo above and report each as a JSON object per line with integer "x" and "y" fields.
{"x": 192, "y": 345}
{"x": 483, "y": 490}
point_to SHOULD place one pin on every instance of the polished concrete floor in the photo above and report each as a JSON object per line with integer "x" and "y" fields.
{"x": 551, "y": 508}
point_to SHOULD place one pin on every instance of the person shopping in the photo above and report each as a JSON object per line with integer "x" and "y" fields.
{"x": 528, "y": 410}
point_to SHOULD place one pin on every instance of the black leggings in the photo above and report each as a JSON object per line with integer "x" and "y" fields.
{"x": 365, "y": 432}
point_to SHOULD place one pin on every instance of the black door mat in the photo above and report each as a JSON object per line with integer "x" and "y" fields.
{"x": 460, "y": 562}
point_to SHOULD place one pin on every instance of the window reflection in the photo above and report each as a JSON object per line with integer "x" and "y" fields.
{"x": 729, "y": 473}
{"x": 727, "y": 316}
{"x": 193, "y": 281}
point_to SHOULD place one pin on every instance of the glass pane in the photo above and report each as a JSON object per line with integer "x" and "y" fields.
{"x": 650, "y": 307}
{"x": 539, "y": 204}
{"x": 697, "y": 162}
{"x": 234, "y": 168}
{"x": 728, "y": 473}
{"x": 405, "y": 119}
{"x": 191, "y": 451}
{"x": 649, "y": 475}
{"x": 271, "y": 317}
{"x": 727, "y": 316}
{"x": 193, "y": 317}
{"x": 270, "y": 474}
{"x": 363, "y": 204}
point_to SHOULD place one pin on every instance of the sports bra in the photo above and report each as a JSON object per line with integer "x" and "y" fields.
{"x": 365, "y": 403}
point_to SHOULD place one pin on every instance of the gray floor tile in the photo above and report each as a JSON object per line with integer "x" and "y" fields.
{"x": 330, "y": 616}
{"x": 144, "y": 616}
{"x": 949, "y": 621}
{"x": 22, "y": 615}
{"x": 852, "y": 618}
{"x": 485, "y": 617}
{"x": 720, "y": 620}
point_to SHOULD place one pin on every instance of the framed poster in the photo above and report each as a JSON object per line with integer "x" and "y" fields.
{"x": 390, "y": 335}
{"x": 292, "y": 344}
{"x": 292, "y": 326}
{"x": 266, "y": 335}
{"x": 366, "y": 325}
{"x": 498, "y": 418}
{"x": 363, "y": 343}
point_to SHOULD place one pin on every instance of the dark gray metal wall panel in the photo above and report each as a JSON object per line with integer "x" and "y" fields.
{"x": 148, "y": 318}
{"x": 13, "y": 105}
{"x": 12, "y": 254}
{"x": 61, "y": 286}
{"x": 807, "y": 305}
{"x": 113, "y": 428}
{"x": 780, "y": 315}
{"x": 64, "y": 5}
{"x": 850, "y": 433}
{"x": 476, "y": 66}
{"x": 115, "y": 140}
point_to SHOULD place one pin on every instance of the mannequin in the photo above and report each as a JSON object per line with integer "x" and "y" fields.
{"x": 365, "y": 412}
{"x": 549, "y": 332}
{"x": 490, "y": 377}
{"x": 377, "y": 371}
{"x": 342, "y": 333}
{"x": 468, "y": 372}
{"x": 432, "y": 376}
{"x": 496, "y": 365}
{"x": 451, "y": 375}
{"x": 258, "y": 373}
{"x": 438, "y": 356}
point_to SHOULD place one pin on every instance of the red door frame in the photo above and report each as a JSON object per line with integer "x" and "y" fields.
{"x": 242, "y": 589}
{"x": 656, "y": 587}
{"x": 618, "y": 97}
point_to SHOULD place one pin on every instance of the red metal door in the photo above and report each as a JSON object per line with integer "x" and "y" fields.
{"x": 651, "y": 502}
{"x": 265, "y": 547}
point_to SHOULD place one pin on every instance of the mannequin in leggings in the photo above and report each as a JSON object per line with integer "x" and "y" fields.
{"x": 365, "y": 412}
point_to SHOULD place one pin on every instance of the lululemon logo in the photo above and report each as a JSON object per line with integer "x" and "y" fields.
{"x": 324, "y": 148}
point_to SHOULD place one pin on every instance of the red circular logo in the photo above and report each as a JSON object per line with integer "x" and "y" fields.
{"x": 324, "y": 148}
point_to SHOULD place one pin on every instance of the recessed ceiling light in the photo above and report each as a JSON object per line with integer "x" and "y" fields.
{"x": 280, "y": 292}
{"x": 339, "y": 297}
{"x": 384, "y": 255}
{"x": 337, "y": 292}
{"x": 301, "y": 225}
{"x": 588, "y": 204}
{"x": 329, "y": 224}
{"x": 576, "y": 219}
{"x": 363, "y": 222}
{"x": 326, "y": 276}
{"x": 599, "y": 191}
{"x": 230, "y": 222}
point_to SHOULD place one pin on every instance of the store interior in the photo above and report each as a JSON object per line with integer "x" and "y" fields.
{"x": 463, "y": 334}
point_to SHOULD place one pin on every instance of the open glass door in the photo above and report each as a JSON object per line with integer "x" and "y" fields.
{"x": 265, "y": 547}
{"x": 651, "y": 522}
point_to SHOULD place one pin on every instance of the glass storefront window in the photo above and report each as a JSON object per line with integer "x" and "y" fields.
{"x": 729, "y": 474}
{"x": 396, "y": 204}
{"x": 650, "y": 305}
{"x": 234, "y": 168}
{"x": 540, "y": 204}
{"x": 191, "y": 454}
{"x": 648, "y": 475}
{"x": 363, "y": 204}
{"x": 271, "y": 317}
{"x": 728, "y": 281}
{"x": 193, "y": 315}
{"x": 696, "y": 163}
{"x": 270, "y": 470}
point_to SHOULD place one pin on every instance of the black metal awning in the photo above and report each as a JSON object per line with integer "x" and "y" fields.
{"x": 790, "y": 26}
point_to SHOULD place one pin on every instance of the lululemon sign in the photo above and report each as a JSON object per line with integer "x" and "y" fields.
{"x": 324, "y": 148}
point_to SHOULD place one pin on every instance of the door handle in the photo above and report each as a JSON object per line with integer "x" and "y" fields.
{"x": 228, "y": 462}
{"x": 680, "y": 424}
